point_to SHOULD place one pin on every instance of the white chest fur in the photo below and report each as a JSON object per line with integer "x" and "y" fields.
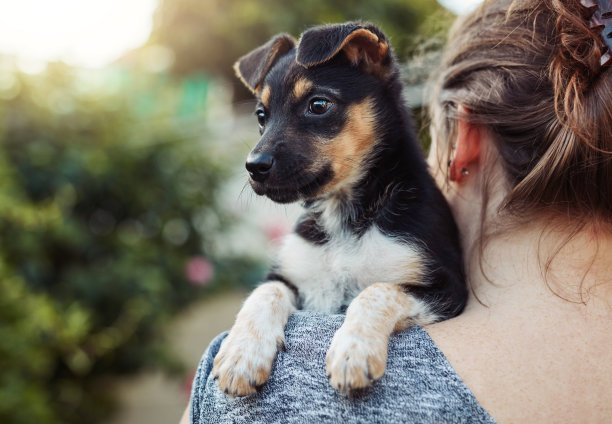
{"x": 329, "y": 276}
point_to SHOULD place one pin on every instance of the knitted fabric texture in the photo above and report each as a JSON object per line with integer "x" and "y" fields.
{"x": 419, "y": 385}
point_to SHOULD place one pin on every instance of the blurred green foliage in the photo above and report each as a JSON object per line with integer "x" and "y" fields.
{"x": 102, "y": 207}
{"x": 110, "y": 195}
{"x": 211, "y": 34}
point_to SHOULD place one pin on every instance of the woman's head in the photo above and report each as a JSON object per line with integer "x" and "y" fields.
{"x": 528, "y": 73}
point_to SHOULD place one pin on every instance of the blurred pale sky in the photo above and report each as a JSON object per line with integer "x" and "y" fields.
{"x": 88, "y": 33}
{"x": 460, "y": 6}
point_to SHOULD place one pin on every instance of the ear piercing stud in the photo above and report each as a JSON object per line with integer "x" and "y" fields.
{"x": 464, "y": 171}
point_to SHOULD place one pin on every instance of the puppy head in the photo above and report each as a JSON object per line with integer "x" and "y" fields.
{"x": 318, "y": 109}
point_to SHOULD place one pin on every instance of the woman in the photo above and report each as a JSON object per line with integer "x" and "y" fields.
{"x": 522, "y": 146}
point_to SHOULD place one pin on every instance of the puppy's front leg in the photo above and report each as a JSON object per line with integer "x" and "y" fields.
{"x": 358, "y": 352}
{"x": 246, "y": 356}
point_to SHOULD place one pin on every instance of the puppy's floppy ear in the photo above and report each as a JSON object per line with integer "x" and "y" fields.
{"x": 253, "y": 67}
{"x": 362, "y": 44}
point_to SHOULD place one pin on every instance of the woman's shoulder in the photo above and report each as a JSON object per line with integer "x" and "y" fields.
{"x": 419, "y": 384}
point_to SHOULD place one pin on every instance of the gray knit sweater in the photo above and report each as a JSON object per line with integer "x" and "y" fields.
{"x": 419, "y": 385}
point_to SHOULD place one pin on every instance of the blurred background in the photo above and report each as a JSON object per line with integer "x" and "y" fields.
{"x": 128, "y": 233}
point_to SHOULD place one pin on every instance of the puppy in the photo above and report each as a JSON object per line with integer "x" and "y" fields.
{"x": 376, "y": 237}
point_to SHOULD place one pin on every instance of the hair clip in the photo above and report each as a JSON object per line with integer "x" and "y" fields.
{"x": 601, "y": 20}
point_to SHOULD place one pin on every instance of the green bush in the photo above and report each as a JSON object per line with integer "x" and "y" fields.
{"x": 214, "y": 33}
{"x": 102, "y": 208}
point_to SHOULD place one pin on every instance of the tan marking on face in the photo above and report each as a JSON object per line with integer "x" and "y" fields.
{"x": 265, "y": 95}
{"x": 349, "y": 149}
{"x": 301, "y": 87}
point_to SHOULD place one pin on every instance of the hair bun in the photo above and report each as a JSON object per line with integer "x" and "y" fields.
{"x": 578, "y": 58}
{"x": 580, "y": 46}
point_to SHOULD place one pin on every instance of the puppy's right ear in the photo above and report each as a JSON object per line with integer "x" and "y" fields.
{"x": 253, "y": 67}
{"x": 363, "y": 44}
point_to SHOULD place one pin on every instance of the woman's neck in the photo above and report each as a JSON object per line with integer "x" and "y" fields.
{"x": 536, "y": 347}
{"x": 543, "y": 267}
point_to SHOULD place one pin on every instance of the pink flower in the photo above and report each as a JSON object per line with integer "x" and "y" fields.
{"x": 276, "y": 230}
{"x": 199, "y": 270}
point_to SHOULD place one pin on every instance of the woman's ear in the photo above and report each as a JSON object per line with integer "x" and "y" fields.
{"x": 467, "y": 148}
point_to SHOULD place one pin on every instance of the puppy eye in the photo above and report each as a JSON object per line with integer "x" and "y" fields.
{"x": 261, "y": 117}
{"x": 319, "y": 106}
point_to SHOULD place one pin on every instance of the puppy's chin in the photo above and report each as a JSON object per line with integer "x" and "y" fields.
{"x": 276, "y": 194}
{"x": 309, "y": 189}
{"x": 279, "y": 196}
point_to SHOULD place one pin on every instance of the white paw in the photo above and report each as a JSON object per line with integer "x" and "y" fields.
{"x": 245, "y": 360}
{"x": 355, "y": 358}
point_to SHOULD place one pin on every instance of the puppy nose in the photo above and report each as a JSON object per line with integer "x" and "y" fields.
{"x": 259, "y": 165}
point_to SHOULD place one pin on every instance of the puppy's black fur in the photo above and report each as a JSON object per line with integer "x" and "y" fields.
{"x": 336, "y": 135}
{"x": 394, "y": 192}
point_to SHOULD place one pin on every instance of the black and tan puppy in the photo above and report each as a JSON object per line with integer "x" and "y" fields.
{"x": 376, "y": 236}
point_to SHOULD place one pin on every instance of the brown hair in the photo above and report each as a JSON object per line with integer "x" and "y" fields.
{"x": 529, "y": 71}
